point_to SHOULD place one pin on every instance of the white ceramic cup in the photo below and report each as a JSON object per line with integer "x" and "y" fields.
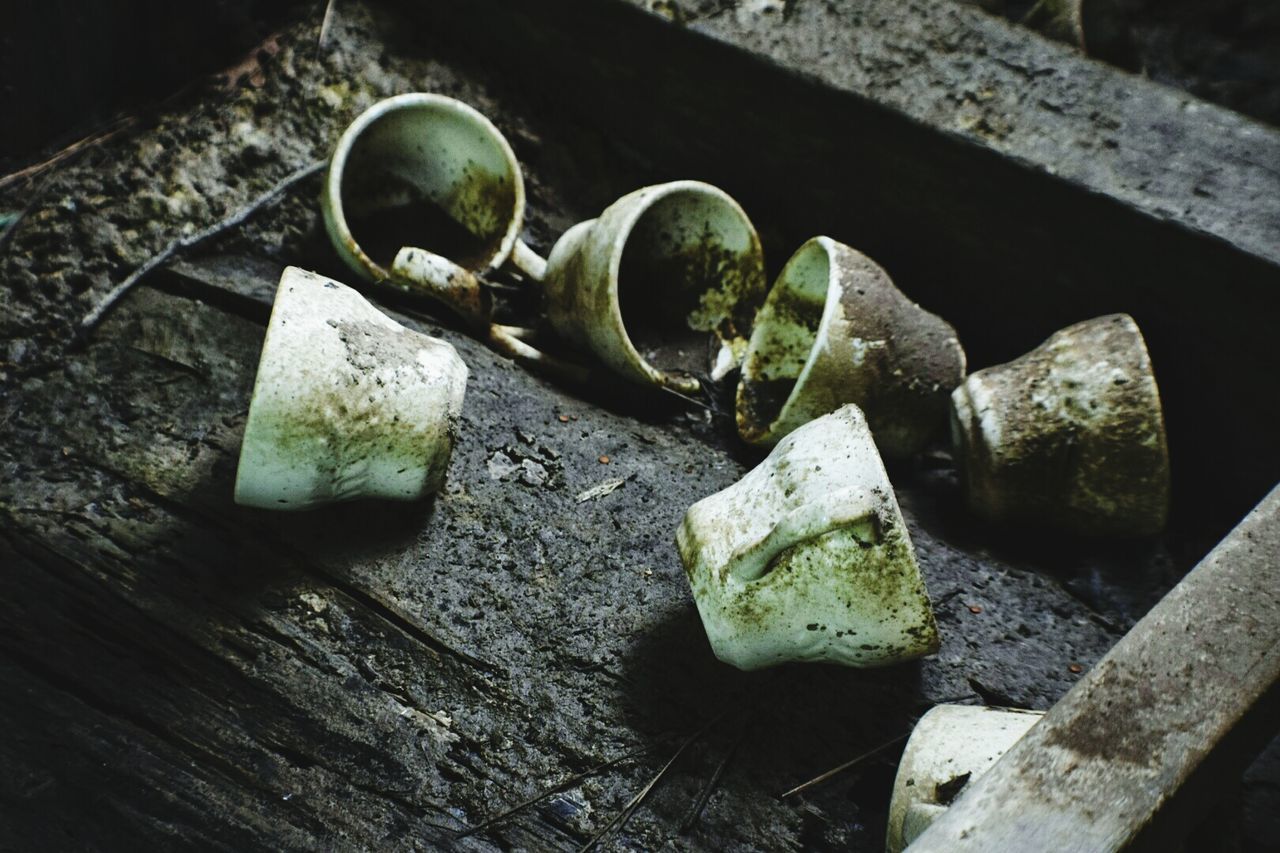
{"x": 1071, "y": 435}
{"x": 423, "y": 191}
{"x": 950, "y": 747}
{"x": 836, "y": 330}
{"x": 347, "y": 403}
{"x": 807, "y": 557}
{"x": 663, "y": 275}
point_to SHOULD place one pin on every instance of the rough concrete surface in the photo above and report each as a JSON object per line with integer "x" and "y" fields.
{"x": 181, "y": 672}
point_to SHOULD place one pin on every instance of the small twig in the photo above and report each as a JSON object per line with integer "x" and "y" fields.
{"x": 95, "y": 138}
{"x": 818, "y": 780}
{"x": 94, "y": 317}
{"x": 688, "y": 399}
{"x": 555, "y": 789}
{"x": 620, "y": 819}
{"x": 699, "y": 804}
{"x": 325, "y": 23}
{"x": 7, "y": 234}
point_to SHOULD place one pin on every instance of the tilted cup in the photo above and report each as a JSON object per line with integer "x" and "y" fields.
{"x": 424, "y": 191}
{"x": 347, "y": 403}
{"x": 949, "y": 749}
{"x": 807, "y": 557}
{"x": 1070, "y": 435}
{"x": 646, "y": 285}
{"x": 834, "y": 330}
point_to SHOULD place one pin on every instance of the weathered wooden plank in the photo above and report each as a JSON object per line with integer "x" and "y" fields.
{"x": 368, "y": 674}
{"x": 365, "y": 675}
{"x": 1105, "y": 768}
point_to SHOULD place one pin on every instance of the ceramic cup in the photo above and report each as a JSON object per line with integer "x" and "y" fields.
{"x": 663, "y": 273}
{"x": 835, "y": 330}
{"x": 347, "y": 403}
{"x": 1070, "y": 435}
{"x": 949, "y": 749}
{"x": 424, "y": 191}
{"x": 807, "y": 558}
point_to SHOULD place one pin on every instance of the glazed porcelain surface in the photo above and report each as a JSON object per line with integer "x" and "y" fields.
{"x": 949, "y": 749}
{"x": 836, "y": 330}
{"x": 1070, "y": 435}
{"x": 347, "y": 403}
{"x": 807, "y": 557}
{"x": 436, "y": 172}
{"x": 649, "y": 284}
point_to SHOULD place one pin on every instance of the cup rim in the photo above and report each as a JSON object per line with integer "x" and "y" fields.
{"x": 767, "y": 432}
{"x": 335, "y": 216}
{"x": 640, "y": 203}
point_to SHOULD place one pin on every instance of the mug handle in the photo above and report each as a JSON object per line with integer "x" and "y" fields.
{"x": 842, "y": 508}
{"x": 529, "y": 262}
{"x": 436, "y": 276}
{"x": 460, "y": 290}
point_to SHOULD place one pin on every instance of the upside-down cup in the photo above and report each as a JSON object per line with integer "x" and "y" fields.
{"x": 424, "y": 192}
{"x": 662, "y": 287}
{"x": 347, "y": 403}
{"x": 1071, "y": 435}
{"x": 949, "y": 749}
{"x": 807, "y": 557}
{"x": 835, "y": 330}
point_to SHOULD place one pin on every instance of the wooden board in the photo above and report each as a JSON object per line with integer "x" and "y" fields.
{"x": 178, "y": 671}
{"x": 1130, "y": 757}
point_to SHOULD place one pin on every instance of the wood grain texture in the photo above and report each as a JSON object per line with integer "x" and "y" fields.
{"x": 178, "y": 672}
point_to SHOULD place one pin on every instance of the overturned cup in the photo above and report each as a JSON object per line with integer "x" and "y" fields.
{"x": 807, "y": 557}
{"x": 423, "y": 190}
{"x": 949, "y": 749}
{"x": 1070, "y": 435}
{"x": 347, "y": 403}
{"x": 647, "y": 284}
{"x": 836, "y": 330}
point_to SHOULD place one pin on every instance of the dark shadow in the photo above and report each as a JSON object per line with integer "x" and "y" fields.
{"x": 801, "y": 719}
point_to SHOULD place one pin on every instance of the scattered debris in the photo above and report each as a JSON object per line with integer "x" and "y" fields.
{"x": 325, "y": 23}
{"x": 96, "y": 138}
{"x": 699, "y": 804}
{"x": 608, "y": 487}
{"x": 620, "y": 820}
{"x": 184, "y": 243}
{"x": 251, "y": 68}
{"x": 528, "y": 463}
{"x": 557, "y": 788}
{"x": 835, "y": 771}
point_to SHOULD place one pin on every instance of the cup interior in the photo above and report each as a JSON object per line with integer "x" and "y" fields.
{"x": 782, "y": 341}
{"x": 432, "y": 174}
{"x": 690, "y": 265}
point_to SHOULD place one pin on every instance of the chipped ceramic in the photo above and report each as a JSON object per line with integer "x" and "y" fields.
{"x": 1070, "y": 435}
{"x": 424, "y": 191}
{"x": 949, "y": 749}
{"x": 836, "y": 330}
{"x": 347, "y": 403}
{"x": 647, "y": 284}
{"x": 807, "y": 558}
